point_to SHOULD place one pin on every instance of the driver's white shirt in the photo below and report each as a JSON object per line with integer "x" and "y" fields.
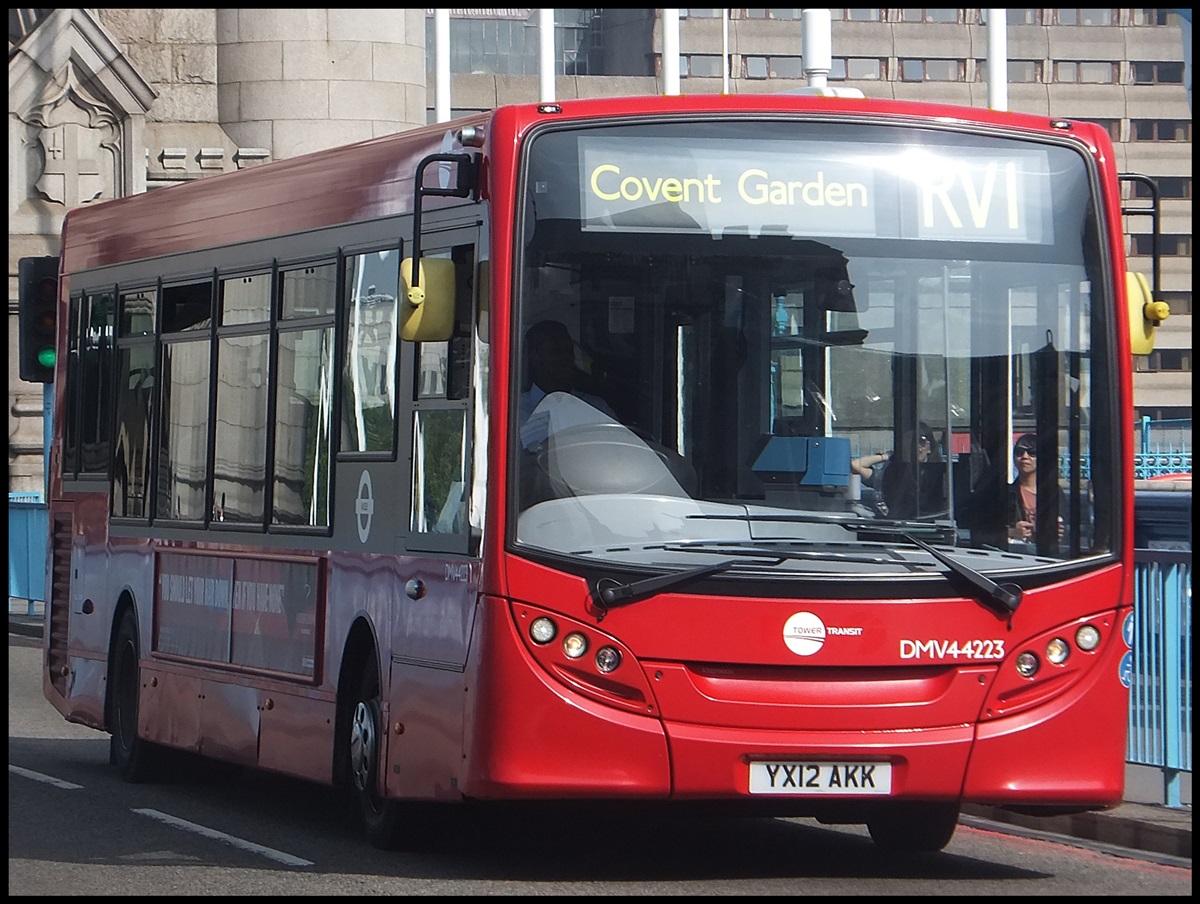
{"x": 543, "y": 414}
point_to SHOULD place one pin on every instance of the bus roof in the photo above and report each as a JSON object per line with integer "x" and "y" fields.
{"x": 373, "y": 179}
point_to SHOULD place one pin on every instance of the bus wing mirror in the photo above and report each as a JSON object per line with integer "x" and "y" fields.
{"x": 427, "y": 311}
{"x": 1145, "y": 314}
{"x": 838, "y": 295}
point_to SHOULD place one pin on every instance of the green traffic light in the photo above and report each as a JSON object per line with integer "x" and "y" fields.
{"x": 46, "y": 357}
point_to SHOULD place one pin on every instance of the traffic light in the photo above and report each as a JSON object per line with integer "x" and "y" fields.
{"x": 37, "y": 304}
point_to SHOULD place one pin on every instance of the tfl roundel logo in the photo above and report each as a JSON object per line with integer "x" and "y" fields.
{"x": 804, "y": 633}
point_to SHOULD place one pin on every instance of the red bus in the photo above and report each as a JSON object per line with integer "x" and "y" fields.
{"x": 324, "y": 501}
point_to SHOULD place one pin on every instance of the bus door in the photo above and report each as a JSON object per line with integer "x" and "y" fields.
{"x": 404, "y": 481}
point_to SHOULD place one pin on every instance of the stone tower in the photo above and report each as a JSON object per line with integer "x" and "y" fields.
{"x": 105, "y": 103}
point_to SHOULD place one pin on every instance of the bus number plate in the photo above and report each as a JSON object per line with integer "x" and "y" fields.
{"x": 820, "y": 778}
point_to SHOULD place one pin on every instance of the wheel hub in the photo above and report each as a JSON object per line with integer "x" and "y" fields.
{"x": 363, "y": 734}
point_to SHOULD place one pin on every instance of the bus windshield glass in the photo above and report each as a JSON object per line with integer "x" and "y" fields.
{"x": 839, "y": 336}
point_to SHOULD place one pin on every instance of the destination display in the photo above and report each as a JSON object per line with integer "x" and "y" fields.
{"x": 815, "y": 189}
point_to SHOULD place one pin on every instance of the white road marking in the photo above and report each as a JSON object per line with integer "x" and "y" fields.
{"x": 269, "y": 853}
{"x": 49, "y": 780}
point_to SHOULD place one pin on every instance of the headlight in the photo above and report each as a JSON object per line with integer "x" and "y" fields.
{"x": 1027, "y": 665}
{"x": 607, "y": 659}
{"x": 543, "y": 630}
{"x": 1087, "y": 637}
{"x": 1058, "y": 650}
{"x": 575, "y": 645}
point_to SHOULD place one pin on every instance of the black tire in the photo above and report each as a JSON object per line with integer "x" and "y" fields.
{"x": 137, "y": 760}
{"x": 380, "y": 818}
{"x": 917, "y": 827}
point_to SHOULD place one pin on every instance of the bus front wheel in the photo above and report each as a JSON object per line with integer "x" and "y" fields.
{"x": 135, "y": 758}
{"x": 915, "y": 827}
{"x": 380, "y": 817}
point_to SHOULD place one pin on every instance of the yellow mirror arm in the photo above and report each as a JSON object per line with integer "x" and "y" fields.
{"x": 1156, "y": 311}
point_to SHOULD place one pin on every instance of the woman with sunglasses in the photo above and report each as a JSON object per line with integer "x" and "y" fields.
{"x": 1023, "y": 492}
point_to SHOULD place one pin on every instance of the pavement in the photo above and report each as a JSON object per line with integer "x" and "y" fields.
{"x": 1134, "y": 825}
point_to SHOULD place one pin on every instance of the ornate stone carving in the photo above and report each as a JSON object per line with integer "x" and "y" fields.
{"x": 80, "y": 140}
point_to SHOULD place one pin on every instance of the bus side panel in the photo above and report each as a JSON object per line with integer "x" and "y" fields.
{"x": 85, "y": 700}
{"x": 528, "y": 736}
{"x": 81, "y": 607}
{"x": 169, "y": 707}
{"x": 1070, "y": 750}
{"x": 229, "y": 720}
{"x": 295, "y": 736}
{"x": 430, "y": 640}
{"x": 424, "y": 752}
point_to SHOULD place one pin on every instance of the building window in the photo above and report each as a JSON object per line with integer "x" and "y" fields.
{"x": 1169, "y": 188}
{"x": 858, "y": 68}
{"x": 1169, "y": 245}
{"x": 1091, "y": 73}
{"x": 507, "y": 42}
{"x": 787, "y": 67}
{"x": 1112, "y": 126}
{"x": 1084, "y": 16}
{"x": 929, "y": 15}
{"x": 1023, "y": 17}
{"x": 932, "y": 70}
{"x": 855, "y": 15}
{"x": 1020, "y": 72}
{"x": 699, "y": 65}
{"x": 782, "y": 15}
{"x": 1169, "y": 360}
{"x": 1159, "y": 73}
{"x": 1160, "y": 130}
{"x": 700, "y": 14}
{"x": 1179, "y": 302}
{"x": 1156, "y": 17}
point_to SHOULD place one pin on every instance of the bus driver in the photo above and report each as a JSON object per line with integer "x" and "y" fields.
{"x": 552, "y": 370}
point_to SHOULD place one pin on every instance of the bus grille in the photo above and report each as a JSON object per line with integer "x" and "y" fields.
{"x": 58, "y": 598}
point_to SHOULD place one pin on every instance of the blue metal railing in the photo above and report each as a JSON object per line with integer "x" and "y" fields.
{"x": 1163, "y": 447}
{"x": 1160, "y": 701}
{"x": 27, "y": 533}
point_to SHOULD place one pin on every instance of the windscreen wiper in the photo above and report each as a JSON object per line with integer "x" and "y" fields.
{"x": 1000, "y": 598}
{"x": 867, "y": 528}
{"x": 609, "y": 592}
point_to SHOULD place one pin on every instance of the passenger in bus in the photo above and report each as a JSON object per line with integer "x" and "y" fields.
{"x": 870, "y": 470}
{"x": 552, "y": 369}
{"x": 1022, "y": 492}
{"x": 907, "y": 492}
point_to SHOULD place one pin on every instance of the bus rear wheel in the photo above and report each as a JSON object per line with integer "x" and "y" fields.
{"x": 137, "y": 760}
{"x": 915, "y": 827}
{"x": 380, "y": 817}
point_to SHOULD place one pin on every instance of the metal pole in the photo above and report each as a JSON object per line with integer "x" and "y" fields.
{"x": 816, "y": 46}
{"x": 997, "y": 65}
{"x": 546, "y": 56}
{"x": 670, "y": 51}
{"x": 441, "y": 62}
{"x": 724, "y": 51}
